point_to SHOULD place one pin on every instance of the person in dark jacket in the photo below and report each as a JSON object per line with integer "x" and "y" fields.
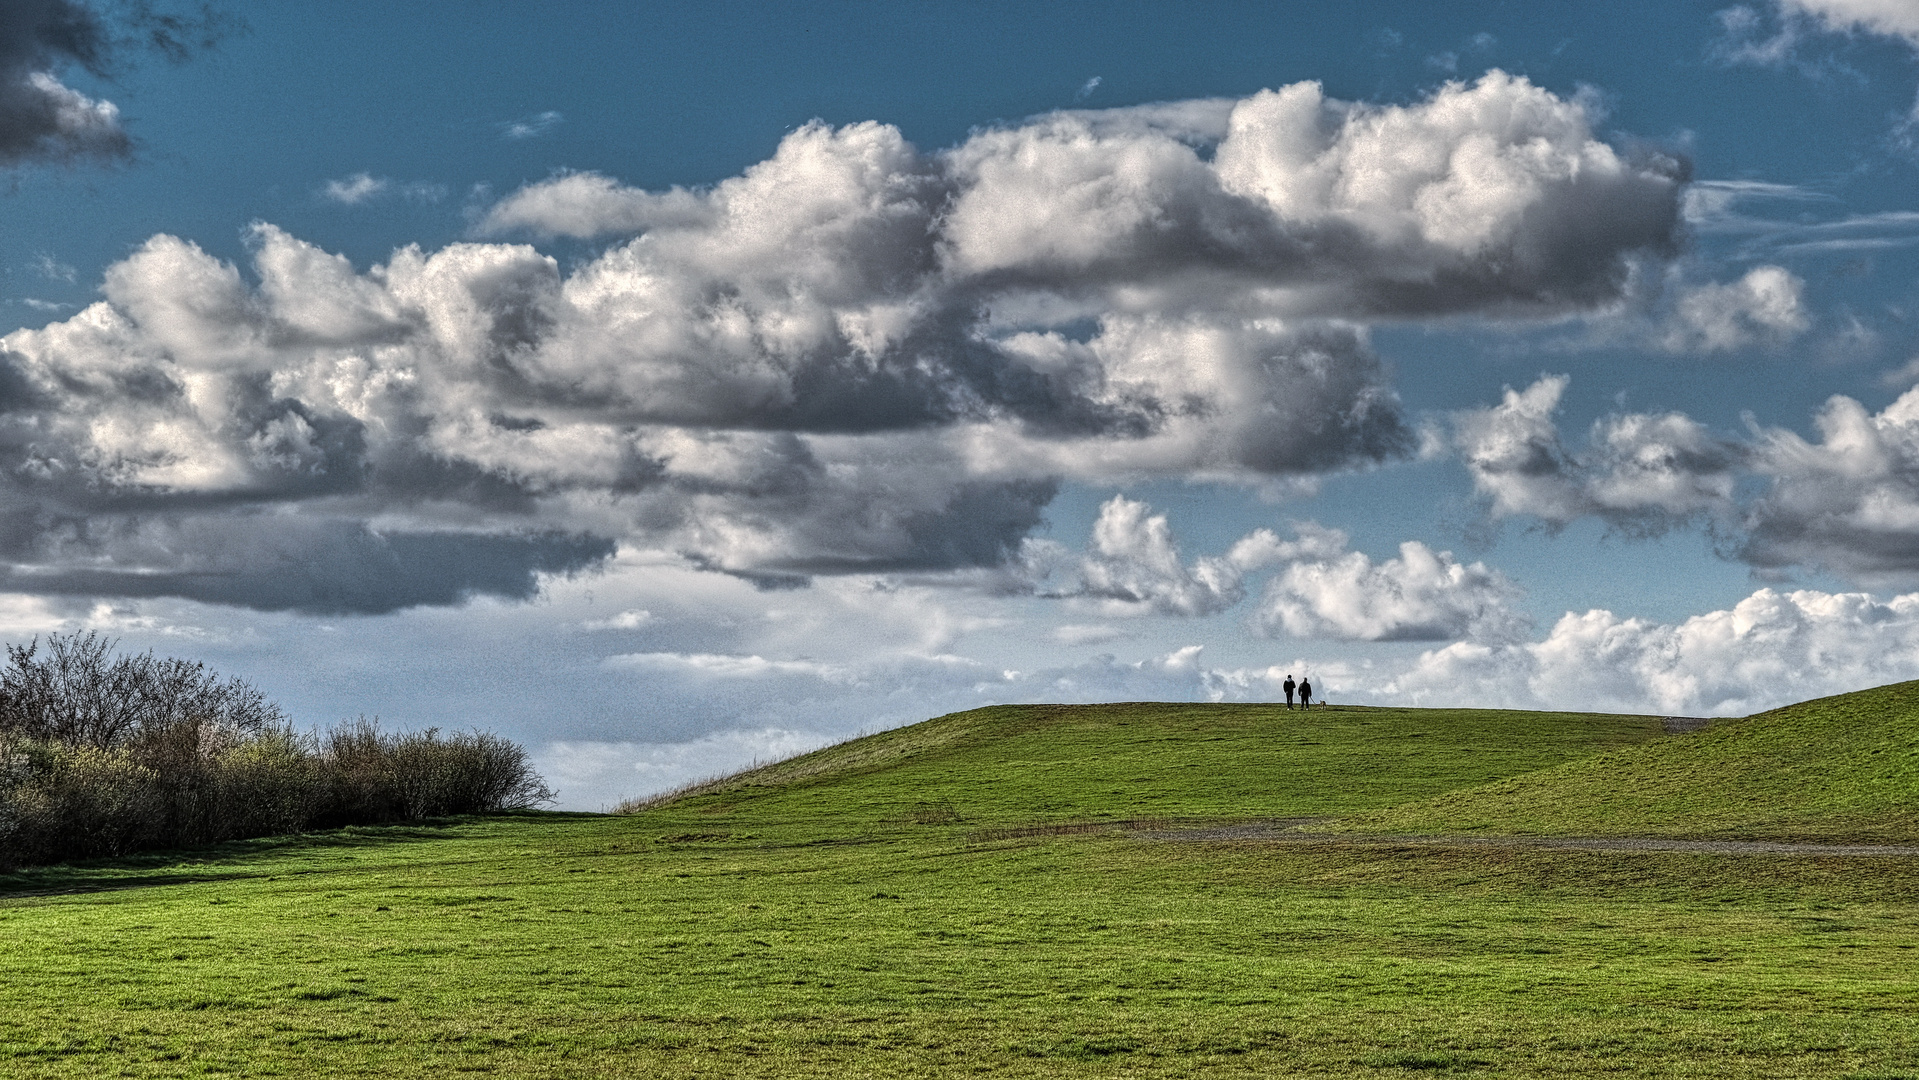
{"x": 1288, "y": 687}
{"x": 1305, "y": 691}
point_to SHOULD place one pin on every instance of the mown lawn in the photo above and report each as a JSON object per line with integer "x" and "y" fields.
{"x": 873, "y": 917}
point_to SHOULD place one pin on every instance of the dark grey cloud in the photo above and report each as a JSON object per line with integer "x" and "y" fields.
{"x": 1848, "y": 503}
{"x": 979, "y": 524}
{"x": 41, "y": 119}
{"x": 44, "y": 120}
{"x": 282, "y": 563}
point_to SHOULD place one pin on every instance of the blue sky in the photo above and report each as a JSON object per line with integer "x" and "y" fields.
{"x": 669, "y": 386}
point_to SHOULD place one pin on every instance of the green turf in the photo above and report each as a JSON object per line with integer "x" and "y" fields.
{"x": 1021, "y": 764}
{"x": 897, "y": 907}
{"x": 1838, "y": 768}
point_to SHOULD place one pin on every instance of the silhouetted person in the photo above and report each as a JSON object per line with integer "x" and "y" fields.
{"x": 1305, "y": 692}
{"x": 1288, "y": 687}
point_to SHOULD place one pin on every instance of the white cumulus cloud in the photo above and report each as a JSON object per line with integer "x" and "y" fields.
{"x": 625, "y": 620}
{"x": 1318, "y": 589}
{"x": 1848, "y": 502}
{"x": 589, "y": 204}
{"x": 1420, "y": 595}
{"x": 1133, "y": 562}
{"x": 1765, "y": 305}
{"x": 43, "y": 119}
{"x": 1770, "y": 649}
{"x": 355, "y": 189}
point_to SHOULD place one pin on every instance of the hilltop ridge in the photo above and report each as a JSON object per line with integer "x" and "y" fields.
{"x": 1841, "y": 768}
{"x": 1844, "y": 767}
{"x": 1036, "y": 764}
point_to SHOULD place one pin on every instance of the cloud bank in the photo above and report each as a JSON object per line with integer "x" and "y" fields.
{"x": 853, "y": 357}
{"x": 1771, "y": 649}
{"x": 1847, "y": 502}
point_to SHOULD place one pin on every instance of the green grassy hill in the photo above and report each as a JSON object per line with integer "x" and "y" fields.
{"x": 1036, "y": 764}
{"x": 944, "y": 900}
{"x": 1837, "y": 768}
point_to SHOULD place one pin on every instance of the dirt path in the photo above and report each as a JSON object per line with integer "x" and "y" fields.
{"x": 1292, "y": 831}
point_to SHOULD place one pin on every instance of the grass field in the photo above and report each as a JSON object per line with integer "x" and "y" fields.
{"x": 1844, "y": 768}
{"x": 962, "y": 898}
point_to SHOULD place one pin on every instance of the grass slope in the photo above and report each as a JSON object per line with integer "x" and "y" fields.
{"x": 1842, "y": 768}
{"x": 895, "y": 907}
{"x": 1034, "y": 764}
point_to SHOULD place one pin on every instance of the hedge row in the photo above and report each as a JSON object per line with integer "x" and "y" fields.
{"x": 102, "y": 758}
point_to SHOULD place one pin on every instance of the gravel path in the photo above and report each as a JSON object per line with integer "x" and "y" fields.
{"x": 1293, "y": 831}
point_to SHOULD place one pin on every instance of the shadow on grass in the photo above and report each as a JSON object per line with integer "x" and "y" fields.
{"x": 238, "y": 860}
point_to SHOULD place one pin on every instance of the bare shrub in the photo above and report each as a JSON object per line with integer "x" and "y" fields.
{"x": 386, "y": 776}
{"x": 265, "y": 785}
{"x": 74, "y": 694}
{"x": 102, "y": 756}
{"x": 359, "y": 776}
